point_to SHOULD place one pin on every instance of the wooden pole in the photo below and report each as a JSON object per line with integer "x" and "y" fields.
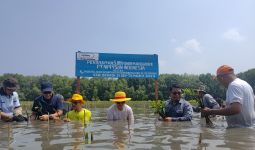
{"x": 156, "y": 89}
{"x": 78, "y": 85}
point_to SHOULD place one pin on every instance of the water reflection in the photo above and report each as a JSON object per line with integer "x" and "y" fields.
{"x": 6, "y": 137}
{"x": 146, "y": 133}
{"x": 122, "y": 133}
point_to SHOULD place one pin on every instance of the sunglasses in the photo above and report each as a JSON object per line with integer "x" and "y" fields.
{"x": 10, "y": 89}
{"x": 175, "y": 93}
{"x": 75, "y": 103}
{"x": 120, "y": 102}
{"x": 47, "y": 92}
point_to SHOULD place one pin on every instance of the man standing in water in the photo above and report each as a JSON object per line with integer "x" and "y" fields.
{"x": 176, "y": 108}
{"x": 239, "y": 109}
{"x": 78, "y": 113}
{"x": 48, "y": 105}
{"x": 120, "y": 110}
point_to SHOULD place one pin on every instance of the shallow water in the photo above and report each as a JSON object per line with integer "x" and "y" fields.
{"x": 146, "y": 133}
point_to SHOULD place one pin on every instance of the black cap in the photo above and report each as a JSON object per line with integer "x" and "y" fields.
{"x": 46, "y": 86}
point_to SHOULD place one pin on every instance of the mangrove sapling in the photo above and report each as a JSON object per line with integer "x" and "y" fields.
{"x": 207, "y": 119}
{"x": 27, "y": 116}
{"x": 159, "y": 108}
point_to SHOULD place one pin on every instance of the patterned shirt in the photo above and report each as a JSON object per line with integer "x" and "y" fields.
{"x": 178, "y": 111}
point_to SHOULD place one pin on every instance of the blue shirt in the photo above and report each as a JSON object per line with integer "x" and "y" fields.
{"x": 178, "y": 111}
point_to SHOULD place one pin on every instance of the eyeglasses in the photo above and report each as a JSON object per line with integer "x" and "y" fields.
{"x": 75, "y": 103}
{"x": 175, "y": 93}
{"x": 10, "y": 89}
{"x": 47, "y": 92}
{"x": 120, "y": 102}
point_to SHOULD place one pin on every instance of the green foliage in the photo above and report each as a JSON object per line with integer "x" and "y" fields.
{"x": 95, "y": 89}
{"x": 194, "y": 102}
{"x": 190, "y": 94}
{"x": 248, "y": 76}
{"x": 212, "y": 85}
{"x": 157, "y": 106}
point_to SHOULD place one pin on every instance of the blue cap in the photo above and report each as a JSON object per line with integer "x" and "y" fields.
{"x": 46, "y": 86}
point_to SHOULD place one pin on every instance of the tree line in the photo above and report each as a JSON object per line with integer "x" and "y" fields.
{"x": 95, "y": 89}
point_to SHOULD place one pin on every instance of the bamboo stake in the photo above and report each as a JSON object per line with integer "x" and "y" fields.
{"x": 91, "y": 137}
{"x": 27, "y": 116}
{"x": 200, "y": 138}
{"x": 48, "y": 118}
{"x": 84, "y": 118}
{"x": 207, "y": 119}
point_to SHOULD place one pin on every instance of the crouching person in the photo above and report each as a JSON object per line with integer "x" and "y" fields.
{"x": 78, "y": 113}
{"x": 10, "y": 108}
{"x": 48, "y": 105}
{"x": 176, "y": 108}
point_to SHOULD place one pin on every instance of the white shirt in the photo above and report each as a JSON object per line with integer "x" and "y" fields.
{"x": 241, "y": 92}
{"x": 113, "y": 113}
{"x": 8, "y": 103}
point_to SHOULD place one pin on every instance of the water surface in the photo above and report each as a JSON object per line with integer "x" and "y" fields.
{"x": 146, "y": 133}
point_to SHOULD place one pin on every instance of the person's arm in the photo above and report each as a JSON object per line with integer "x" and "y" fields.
{"x": 18, "y": 111}
{"x": 110, "y": 113}
{"x": 16, "y": 104}
{"x": 234, "y": 108}
{"x": 59, "y": 107}
{"x": 130, "y": 117}
{"x": 57, "y": 114}
{"x": 67, "y": 119}
{"x": 5, "y": 116}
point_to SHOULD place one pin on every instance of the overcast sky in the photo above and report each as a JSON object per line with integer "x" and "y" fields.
{"x": 190, "y": 36}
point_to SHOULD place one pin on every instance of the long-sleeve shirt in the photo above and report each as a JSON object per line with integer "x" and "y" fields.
{"x": 178, "y": 111}
{"x": 126, "y": 114}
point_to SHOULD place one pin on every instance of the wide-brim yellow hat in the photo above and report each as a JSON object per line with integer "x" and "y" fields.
{"x": 77, "y": 97}
{"x": 120, "y": 97}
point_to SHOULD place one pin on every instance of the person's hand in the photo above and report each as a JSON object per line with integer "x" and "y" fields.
{"x": 206, "y": 111}
{"x": 44, "y": 117}
{"x": 54, "y": 117}
{"x": 33, "y": 117}
{"x": 6, "y": 118}
{"x": 67, "y": 120}
{"x": 168, "y": 119}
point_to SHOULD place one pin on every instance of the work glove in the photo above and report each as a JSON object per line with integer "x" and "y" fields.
{"x": 19, "y": 118}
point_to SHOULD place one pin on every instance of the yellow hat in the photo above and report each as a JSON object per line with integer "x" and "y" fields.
{"x": 77, "y": 97}
{"x": 120, "y": 97}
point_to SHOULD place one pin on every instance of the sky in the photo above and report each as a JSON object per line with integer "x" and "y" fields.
{"x": 189, "y": 36}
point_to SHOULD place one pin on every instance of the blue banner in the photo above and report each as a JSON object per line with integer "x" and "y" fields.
{"x": 110, "y": 65}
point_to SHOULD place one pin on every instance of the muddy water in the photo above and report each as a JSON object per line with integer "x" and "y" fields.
{"x": 146, "y": 133}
